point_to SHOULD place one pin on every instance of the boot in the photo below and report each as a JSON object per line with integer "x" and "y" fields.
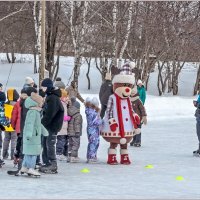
{"x": 33, "y": 172}
{"x": 124, "y": 157}
{"x": 112, "y": 157}
{"x": 24, "y": 170}
{"x": 49, "y": 169}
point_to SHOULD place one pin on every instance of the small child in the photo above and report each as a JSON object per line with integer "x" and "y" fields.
{"x": 139, "y": 108}
{"x": 33, "y": 129}
{"x": 10, "y": 134}
{"x": 62, "y": 137}
{"x": 92, "y": 112}
{"x": 74, "y": 130}
{"x": 3, "y": 120}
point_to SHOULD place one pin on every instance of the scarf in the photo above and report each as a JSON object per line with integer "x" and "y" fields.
{"x": 120, "y": 117}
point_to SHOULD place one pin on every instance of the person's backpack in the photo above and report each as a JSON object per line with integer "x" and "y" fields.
{"x": 4, "y": 121}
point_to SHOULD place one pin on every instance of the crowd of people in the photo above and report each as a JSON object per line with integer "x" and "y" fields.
{"x": 45, "y": 125}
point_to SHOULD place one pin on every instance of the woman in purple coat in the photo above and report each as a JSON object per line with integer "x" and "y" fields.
{"x": 93, "y": 123}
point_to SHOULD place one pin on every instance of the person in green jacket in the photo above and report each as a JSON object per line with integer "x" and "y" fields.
{"x": 141, "y": 91}
{"x": 33, "y": 129}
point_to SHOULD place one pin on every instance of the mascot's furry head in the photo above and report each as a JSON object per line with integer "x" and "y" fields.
{"x": 124, "y": 81}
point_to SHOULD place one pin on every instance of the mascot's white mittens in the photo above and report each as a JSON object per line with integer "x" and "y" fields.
{"x": 144, "y": 120}
{"x": 113, "y": 124}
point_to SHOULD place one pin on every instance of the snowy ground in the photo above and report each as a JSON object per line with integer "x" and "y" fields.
{"x": 167, "y": 143}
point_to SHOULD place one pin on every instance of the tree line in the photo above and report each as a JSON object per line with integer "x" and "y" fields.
{"x": 162, "y": 35}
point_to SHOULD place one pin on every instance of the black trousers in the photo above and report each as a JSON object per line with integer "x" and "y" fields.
{"x": 103, "y": 110}
{"x": 62, "y": 145}
{"x": 49, "y": 148}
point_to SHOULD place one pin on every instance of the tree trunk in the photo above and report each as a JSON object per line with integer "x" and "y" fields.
{"x": 8, "y": 57}
{"x": 13, "y": 57}
{"x": 128, "y": 30}
{"x": 35, "y": 62}
{"x": 88, "y": 71}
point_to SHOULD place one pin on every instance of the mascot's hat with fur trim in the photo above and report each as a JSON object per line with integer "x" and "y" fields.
{"x": 125, "y": 75}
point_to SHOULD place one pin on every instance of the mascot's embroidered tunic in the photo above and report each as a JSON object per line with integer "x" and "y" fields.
{"x": 121, "y": 111}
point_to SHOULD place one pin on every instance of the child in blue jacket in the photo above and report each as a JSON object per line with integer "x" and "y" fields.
{"x": 94, "y": 121}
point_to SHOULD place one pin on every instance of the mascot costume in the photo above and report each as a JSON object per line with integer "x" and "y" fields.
{"x": 120, "y": 122}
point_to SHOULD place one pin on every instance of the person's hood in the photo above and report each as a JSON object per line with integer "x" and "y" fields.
{"x": 55, "y": 91}
{"x": 72, "y": 110}
{"x": 30, "y": 103}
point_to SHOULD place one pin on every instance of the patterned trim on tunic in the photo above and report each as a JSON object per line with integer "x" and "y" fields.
{"x": 111, "y": 134}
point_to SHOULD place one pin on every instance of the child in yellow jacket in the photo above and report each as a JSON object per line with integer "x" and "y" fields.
{"x": 10, "y": 134}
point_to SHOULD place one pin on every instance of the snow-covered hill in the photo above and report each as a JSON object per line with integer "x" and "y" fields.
{"x": 167, "y": 143}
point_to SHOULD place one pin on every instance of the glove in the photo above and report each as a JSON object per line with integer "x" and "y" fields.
{"x": 66, "y": 118}
{"x": 77, "y": 134}
{"x": 144, "y": 120}
{"x": 2, "y": 128}
{"x": 136, "y": 120}
{"x": 113, "y": 124}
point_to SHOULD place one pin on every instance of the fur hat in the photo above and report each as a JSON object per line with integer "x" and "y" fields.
{"x": 37, "y": 98}
{"x": 108, "y": 76}
{"x": 12, "y": 94}
{"x": 139, "y": 82}
{"x": 95, "y": 102}
{"x": 2, "y": 97}
{"x": 29, "y": 80}
{"x": 64, "y": 93}
{"x": 125, "y": 75}
{"x": 47, "y": 82}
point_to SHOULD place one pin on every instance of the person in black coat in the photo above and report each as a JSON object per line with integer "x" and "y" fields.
{"x": 53, "y": 114}
{"x": 105, "y": 91}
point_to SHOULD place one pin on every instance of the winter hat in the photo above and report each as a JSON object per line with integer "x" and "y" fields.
{"x": 125, "y": 75}
{"x": 108, "y": 76}
{"x": 139, "y": 82}
{"x": 88, "y": 100}
{"x": 47, "y": 82}
{"x": 95, "y": 102}
{"x": 58, "y": 79}
{"x": 37, "y": 98}
{"x": 29, "y": 80}
{"x": 12, "y": 94}
{"x": 29, "y": 90}
{"x": 73, "y": 99}
{"x": 77, "y": 105}
{"x": 59, "y": 84}
{"x": 64, "y": 93}
{"x": 2, "y": 97}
